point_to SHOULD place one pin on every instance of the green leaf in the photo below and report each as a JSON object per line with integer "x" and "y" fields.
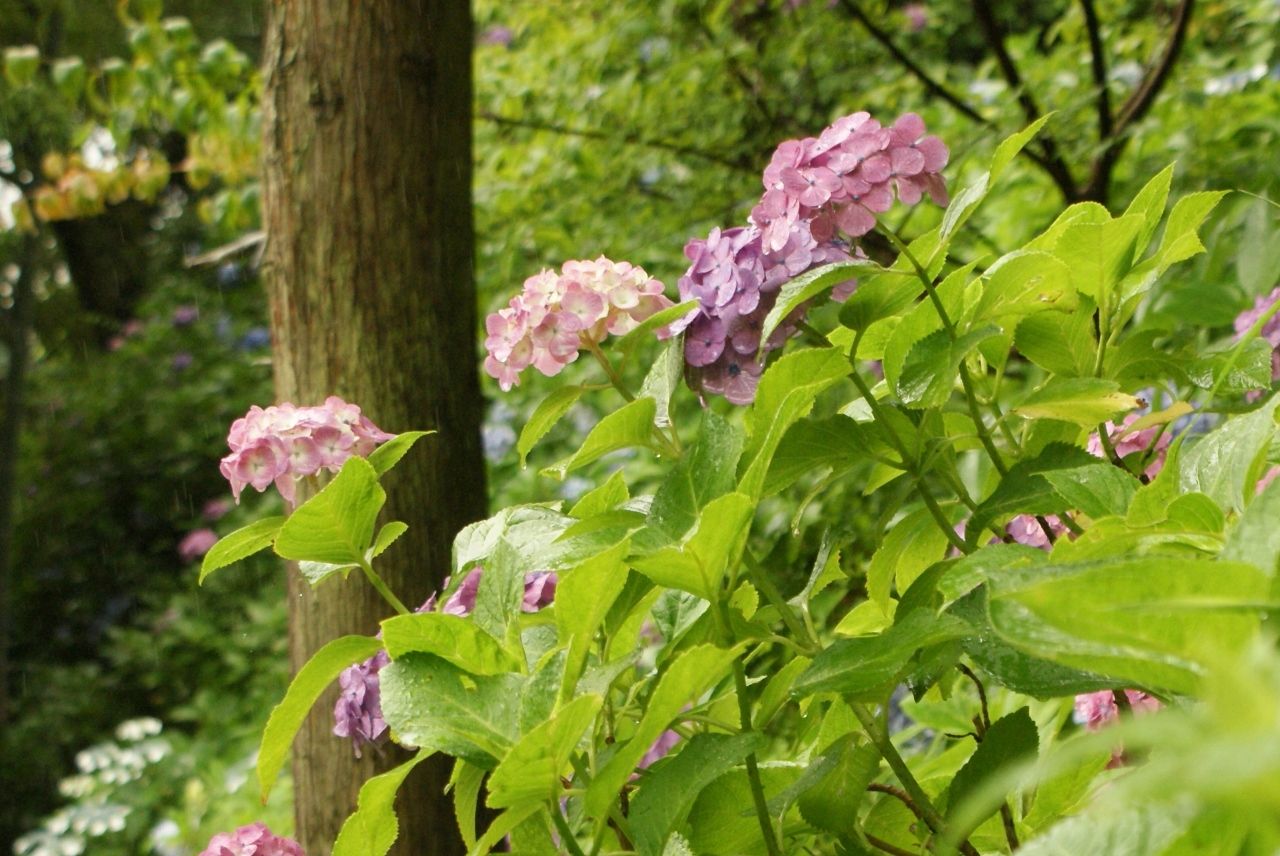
{"x": 869, "y": 664}
{"x": 602, "y": 499}
{"x": 546, "y": 415}
{"x": 466, "y": 782}
{"x": 1084, "y": 401}
{"x": 1256, "y": 537}
{"x": 1098, "y": 490}
{"x": 921, "y": 321}
{"x": 1225, "y": 463}
{"x": 667, "y": 794}
{"x": 240, "y": 544}
{"x": 501, "y": 827}
{"x": 450, "y": 637}
{"x": 1098, "y": 255}
{"x": 692, "y": 674}
{"x": 1240, "y": 368}
{"x": 373, "y": 828}
{"x": 531, "y": 771}
{"x": 1025, "y": 490}
{"x": 706, "y": 471}
{"x": 1062, "y": 343}
{"x": 501, "y": 589}
{"x": 930, "y": 369}
{"x": 1025, "y": 282}
{"x": 698, "y": 564}
{"x": 914, "y": 543}
{"x": 1013, "y": 144}
{"x": 1153, "y": 621}
{"x": 386, "y": 456}
{"x": 968, "y": 199}
{"x": 583, "y": 598}
{"x": 643, "y": 331}
{"x": 1010, "y": 741}
{"x": 811, "y": 445}
{"x": 786, "y": 394}
{"x": 832, "y": 803}
{"x": 1142, "y": 831}
{"x": 430, "y": 702}
{"x": 317, "y": 572}
{"x": 287, "y": 717}
{"x": 69, "y": 76}
{"x": 663, "y": 380}
{"x": 809, "y": 285}
{"x": 1149, "y": 205}
{"x": 630, "y": 426}
{"x": 1181, "y": 239}
{"x": 878, "y": 297}
{"x": 336, "y": 525}
{"x": 387, "y": 536}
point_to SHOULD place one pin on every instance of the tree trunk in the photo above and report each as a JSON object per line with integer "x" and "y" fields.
{"x": 367, "y": 207}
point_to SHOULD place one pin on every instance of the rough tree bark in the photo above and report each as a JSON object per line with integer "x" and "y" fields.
{"x": 366, "y": 194}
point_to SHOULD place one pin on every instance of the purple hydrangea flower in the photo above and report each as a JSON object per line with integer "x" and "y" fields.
{"x": 185, "y": 315}
{"x": 736, "y": 283}
{"x": 664, "y": 744}
{"x": 358, "y": 712}
{"x": 252, "y": 840}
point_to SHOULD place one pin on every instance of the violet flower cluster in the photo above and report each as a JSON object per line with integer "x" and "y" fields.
{"x": 283, "y": 443}
{"x": 736, "y": 283}
{"x": 1025, "y": 529}
{"x": 556, "y": 315}
{"x": 253, "y": 840}
{"x": 357, "y": 715}
{"x": 815, "y": 189}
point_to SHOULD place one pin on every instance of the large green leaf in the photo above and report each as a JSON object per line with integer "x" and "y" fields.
{"x": 1226, "y": 462}
{"x": 667, "y": 794}
{"x": 922, "y": 320}
{"x": 1025, "y": 490}
{"x": 336, "y": 525}
{"x": 967, "y": 200}
{"x": 386, "y": 456}
{"x": 812, "y": 445}
{"x": 1256, "y": 537}
{"x": 930, "y": 370}
{"x": 663, "y": 379}
{"x": 1062, "y": 343}
{"x": 1025, "y": 282}
{"x": 450, "y": 637}
{"x": 686, "y": 679}
{"x": 1155, "y": 621}
{"x": 628, "y": 427}
{"x": 871, "y": 664}
{"x": 240, "y": 544}
{"x": 707, "y": 470}
{"x": 1099, "y": 254}
{"x": 373, "y": 828}
{"x": 1149, "y": 204}
{"x": 786, "y": 394}
{"x": 287, "y": 717}
{"x": 1098, "y": 489}
{"x": 1144, "y": 831}
{"x": 831, "y": 803}
{"x": 698, "y": 563}
{"x": 531, "y": 771}
{"x": 583, "y": 598}
{"x": 430, "y": 702}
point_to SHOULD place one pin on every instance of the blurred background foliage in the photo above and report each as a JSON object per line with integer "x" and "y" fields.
{"x": 129, "y": 167}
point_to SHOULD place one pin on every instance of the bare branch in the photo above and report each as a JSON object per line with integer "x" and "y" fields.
{"x": 1098, "y": 60}
{"x": 1054, "y": 164}
{"x": 1137, "y": 106}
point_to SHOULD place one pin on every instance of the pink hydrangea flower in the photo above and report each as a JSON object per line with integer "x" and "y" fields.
{"x": 1270, "y": 331}
{"x": 196, "y": 543}
{"x": 842, "y": 179}
{"x": 281, "y": 444}
{"x": 215, "y": 509}
{"x": 252, "y": 840}
{"x": 1097, "y": 710}
{"x": 556, "y": 315}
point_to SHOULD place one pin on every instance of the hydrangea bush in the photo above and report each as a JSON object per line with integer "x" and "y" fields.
{"x": 1062, "y": 643}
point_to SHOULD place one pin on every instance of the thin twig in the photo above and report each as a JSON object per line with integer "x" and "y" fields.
{"x": 1137, "y": 106}
{"x": 881, "y": 844}
{"x": 1010, "y": 831}
{"x": 982, "y": 693}
{"x": 899, "y": 794}
{"x": 1098, "y": 61}
{"x": 1055, "y": 165}
{"x": 627, "y": 138}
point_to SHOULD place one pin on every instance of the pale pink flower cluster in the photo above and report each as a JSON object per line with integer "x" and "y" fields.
{"x": 253, "y": 840}
{"x": 555, "y": 315}
{"x": 283, "y": 443}
{"x": 1025, "y": 529}
{"x": 840, "y": 180}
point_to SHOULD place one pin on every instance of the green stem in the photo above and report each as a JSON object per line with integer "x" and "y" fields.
{"x": 566, "y": 834}
{"x": 721, "y": 617}
{"x": 759, "y": 577}
{"x": 889, "y": 752}
{"x": 382, "y": 589}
